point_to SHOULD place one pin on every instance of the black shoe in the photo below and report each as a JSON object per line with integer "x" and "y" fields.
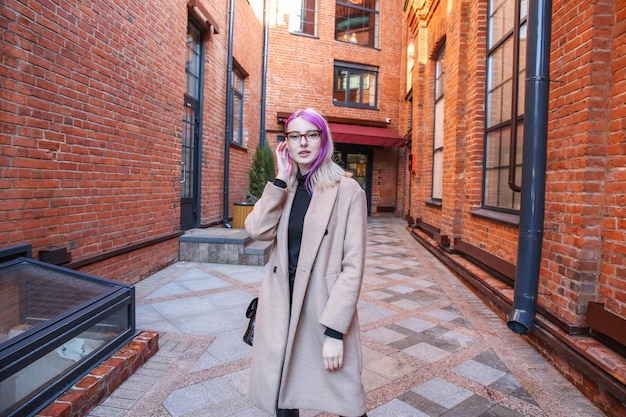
{"x": 287, "y": 413}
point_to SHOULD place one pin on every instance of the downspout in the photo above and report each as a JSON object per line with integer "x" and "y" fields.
{"x": 263, "y": 131}
{"x": 229, "y": 111}
{"x": 533, "y": 168}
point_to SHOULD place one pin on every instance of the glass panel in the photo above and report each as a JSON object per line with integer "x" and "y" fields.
{"x": 410, "y": 61}
{"x": 192, "y": 64}
{"x": 501, "y": 14}
{"x": 440, "y": 73}
{"x": 237, "y": 119}
{"x": 438, "y": 175}
{"x": 516, "y": 203}
{"x": 24, "y": 384}
{"x": 357, "y": 22}
{"x": 500, "y": 85}
{"x": 438, "y": 140}
{"x": 188, "y": 133}
{"x": 238, "y": 94}
{"x": 355, "y": 84}
{"x": 491, "y": 187}
{"x": 339, "y": 92}
{"x": 495, "y": 141}
{"x": 369, "y": 89}
{"x": 497, "y": 190}
{"x": 357, "y": 165}
{"x": 520, "y": 147}
{"x": 523, "y": 10}
{"x": 521, "y": 92}
{"x": 302, "y": 17}
{"x": 32, "y": 295}
{"x": 505, "y": 194}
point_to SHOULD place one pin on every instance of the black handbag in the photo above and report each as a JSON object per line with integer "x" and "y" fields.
{"x": 248, "y": 336}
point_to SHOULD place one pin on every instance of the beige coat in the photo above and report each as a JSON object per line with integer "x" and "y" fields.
{"x": 287, "y": 368}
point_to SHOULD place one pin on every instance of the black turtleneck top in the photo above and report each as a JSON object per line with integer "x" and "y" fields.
{"x": 301, "y": 202}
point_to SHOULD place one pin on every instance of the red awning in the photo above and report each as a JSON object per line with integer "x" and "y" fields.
{"x": 365, "y": 135}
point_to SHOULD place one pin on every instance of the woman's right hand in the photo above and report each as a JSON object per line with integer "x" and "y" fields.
{"x": 283, "y": 161}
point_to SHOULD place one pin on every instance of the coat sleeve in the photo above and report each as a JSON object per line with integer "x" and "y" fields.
{"x": 262, "y": 222}
{"x": 341, "y": 305}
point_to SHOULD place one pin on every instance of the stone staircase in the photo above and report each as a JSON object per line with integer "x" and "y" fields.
{"x": 223, "y": 246}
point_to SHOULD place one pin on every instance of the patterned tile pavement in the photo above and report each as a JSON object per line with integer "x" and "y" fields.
{"x": 431, "y": 347}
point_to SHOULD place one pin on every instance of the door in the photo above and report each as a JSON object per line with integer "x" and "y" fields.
{"x": 188, "y": 177}
{"x": 191, "y": 133}
{"x": 358, "y": 161}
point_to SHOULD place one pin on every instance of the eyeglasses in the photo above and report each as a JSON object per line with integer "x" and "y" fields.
{"x": 310, "y": 136}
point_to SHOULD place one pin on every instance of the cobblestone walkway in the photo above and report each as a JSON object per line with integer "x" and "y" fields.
{"x": 431, "y": 347}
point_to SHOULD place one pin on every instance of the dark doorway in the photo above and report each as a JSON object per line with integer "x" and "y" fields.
{"x": 189, "y": 172}
{"x": 188, "y": 178}
{"x": 358, "y": 161}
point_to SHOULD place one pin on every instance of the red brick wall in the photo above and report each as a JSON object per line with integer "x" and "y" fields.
{"x": 91, "y": 110}
{"x": 612, "y": 290}
{"x": 580, "y": 184}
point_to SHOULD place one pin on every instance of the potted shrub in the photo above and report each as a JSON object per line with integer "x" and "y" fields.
{"x": 261, "y": 171}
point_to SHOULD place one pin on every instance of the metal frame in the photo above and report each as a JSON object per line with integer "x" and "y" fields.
{"x": 26, "y": 348}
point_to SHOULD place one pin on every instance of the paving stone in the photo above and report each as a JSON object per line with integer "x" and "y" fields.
{"x": 424, "y": 352}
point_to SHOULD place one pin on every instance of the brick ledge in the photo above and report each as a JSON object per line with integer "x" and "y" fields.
{"x": 104, "y": 378}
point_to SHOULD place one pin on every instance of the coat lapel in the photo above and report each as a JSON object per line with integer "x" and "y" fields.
{"x": 315, "y": 224}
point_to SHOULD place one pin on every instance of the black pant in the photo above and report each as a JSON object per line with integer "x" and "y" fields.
{"x": 292, "y": 413}
{"x": 287, "y": 413}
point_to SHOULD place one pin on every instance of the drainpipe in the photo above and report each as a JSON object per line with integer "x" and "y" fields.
{"x": 533, "y": 168}
{"x": 263, "y": 131}
{"x": 229, "y": 111}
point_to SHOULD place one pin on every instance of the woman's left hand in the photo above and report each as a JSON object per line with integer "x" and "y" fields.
{"x": 332, "y": 354}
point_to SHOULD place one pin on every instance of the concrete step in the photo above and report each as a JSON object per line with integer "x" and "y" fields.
{"x": 223, "y": 246}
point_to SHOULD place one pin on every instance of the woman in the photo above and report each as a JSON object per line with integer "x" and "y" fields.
{"x": 307, "y": 346}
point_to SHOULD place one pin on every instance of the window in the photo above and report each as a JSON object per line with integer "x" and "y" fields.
{"x": 303, "y": 17}
{"x": 237, "y": 92}
{"x": 357, "y": 21}
{"x": 191, "y": 115}
{"x": 355, "y": 85}
{"x": 193, "y": 61}
{"x": 440, "y": 77}
{"x": 410, "y": 62}
{"x": 505, "y": 104}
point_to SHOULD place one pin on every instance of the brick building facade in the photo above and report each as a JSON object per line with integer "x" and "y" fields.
{"x": 466, "y": 100}
{"x": 121, "y": 121}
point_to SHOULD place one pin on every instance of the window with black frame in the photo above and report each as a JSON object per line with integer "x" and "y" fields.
{"x": 355, "y": 85}
{"x": 238, "y": 101}
{"x": 504, "y": 130}
{"x": 357, "y": 22}
{"x": 303, "y": 17}
{"x": 191, "y": 128}
{"x": 440, "y": 76}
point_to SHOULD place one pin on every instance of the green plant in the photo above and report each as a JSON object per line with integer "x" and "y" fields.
{"x": 261, "y": 171}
